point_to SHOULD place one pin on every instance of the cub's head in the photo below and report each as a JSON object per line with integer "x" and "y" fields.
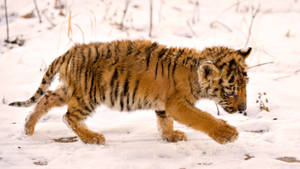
{"x": 223, "y": 77}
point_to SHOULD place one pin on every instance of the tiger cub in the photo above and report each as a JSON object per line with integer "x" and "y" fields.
{"x": 130, "y": 75}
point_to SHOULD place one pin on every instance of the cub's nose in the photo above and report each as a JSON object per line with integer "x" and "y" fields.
{"x": 242, "y": 107}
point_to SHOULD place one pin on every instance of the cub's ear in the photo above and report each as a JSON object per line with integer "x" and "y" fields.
{"x": 208, "y": 71}
{"x": 245, "y": 52}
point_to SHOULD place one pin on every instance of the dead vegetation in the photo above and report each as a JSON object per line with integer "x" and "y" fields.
{"x": 66, "y": 139}
{"x": 263, "y": 101}
{"x": 288, "y": 159}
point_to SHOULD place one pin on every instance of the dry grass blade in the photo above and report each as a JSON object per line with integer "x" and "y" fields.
{"x": 6, "y": 21}
{"x": 248, "y": 157}
{"x": 37, "y": 10}
{"x": 288, "y": 159}
{"x": 261, "y": 64}
{"x": 216, "y": 24}
{"x": 41, "y": 163}
{"x": 82, "y": 33}
{"x": 255, "y": 11}
{"x": 69, "y": 32}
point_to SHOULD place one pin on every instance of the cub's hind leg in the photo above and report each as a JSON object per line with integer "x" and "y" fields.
{"x": 78, "y": 111}
{"x": 165, "y": 128}
{"x": 49, "y": 100}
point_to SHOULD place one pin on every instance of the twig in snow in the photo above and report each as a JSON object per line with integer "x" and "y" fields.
{"x": 49, "y": 20}
{"x": 150, "y": 24}
{"x": 196, "y": 10}
{"x": 286, "y": 76}
{"x": 261, "y": 64}
{"x": 6, "y": 21}
{"x": 215, "y": 24}
{"x": 37, "y": 10}
{"x": 124, "y": 14}
{"x": 191, "y": 28}
{"x": 254, "y": 14}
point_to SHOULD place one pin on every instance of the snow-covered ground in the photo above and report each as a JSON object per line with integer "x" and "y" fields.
{"x": 267, "y": 139}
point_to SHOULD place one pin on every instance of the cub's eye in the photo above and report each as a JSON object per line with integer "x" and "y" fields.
{"x": 229, "y": 91}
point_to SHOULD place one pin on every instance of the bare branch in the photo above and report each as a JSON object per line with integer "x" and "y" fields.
{"x": 286, "y": 76}
{"x": 124, "y": 14}
{"x": 261, "y": 64}
{"x": 191, "y": 29}
{"x": 6, "y": 20}
{"x": 254, "y": 14}
{"x": 215, "y": 24}
{"x": 37, "y": 10}
{"x": 151, "y": 20}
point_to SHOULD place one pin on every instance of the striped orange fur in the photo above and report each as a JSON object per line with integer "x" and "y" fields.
{"x": 130, "y": 75}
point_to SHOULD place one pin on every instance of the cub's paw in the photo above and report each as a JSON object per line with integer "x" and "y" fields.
{"x": 29, "y": 128}
{"x": 92, "y": 138}
{"x": 177, "y": 135}
{"x": 224, "y": 133}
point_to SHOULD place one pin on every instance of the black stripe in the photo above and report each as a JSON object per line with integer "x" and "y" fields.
{"x": 96, "y": 53}
{"x": 63, "y": 57}
{"x": 85, "y": 105}
{"x": 44, "y": 81}
{"x": 114, "y": 77}
{"x": 181, "y": 51}
{"x": 102, "y": 93}
{"x": 162, "y": 53}
{"x": 86, "y": 78}
{"x": 83, "y": 113}
{"x": 32, "y": 99}
{"x": 149, "y": 50}
{"x": 187, "y": 60}
{"x": 122, "y": 103}
{"x": 89, "y": 55}
{"x": 161, "y": 114}
{"x": 126, "y": 84}
{"x": 127, "y": 102}
{"x": 116, "y": 91}
{"x": 188, "y": 101}
{"x": 156, "y": 67}
{"x": 173, "y": 73}
{"x": 70, "y": 115}
{"x": 169, "y": 65}
{"x": 134, "y": 91}
{"x": 129, "y": 48}
{"x": 91, "y": 92}
{"x": 40, "y": 91}
{"x": 222, "y": 65}
{"x": 230, "y": 67}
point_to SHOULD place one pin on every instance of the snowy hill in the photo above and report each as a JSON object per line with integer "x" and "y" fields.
{"x": 267, "y": 139}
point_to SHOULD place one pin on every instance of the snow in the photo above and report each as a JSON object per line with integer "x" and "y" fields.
{"x": 132, "y": 140}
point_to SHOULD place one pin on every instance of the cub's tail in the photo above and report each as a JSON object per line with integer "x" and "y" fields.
{"x": 52, "y": 70}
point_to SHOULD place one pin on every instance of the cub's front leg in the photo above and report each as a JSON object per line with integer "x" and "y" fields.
{"x": 184, "y": 112}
